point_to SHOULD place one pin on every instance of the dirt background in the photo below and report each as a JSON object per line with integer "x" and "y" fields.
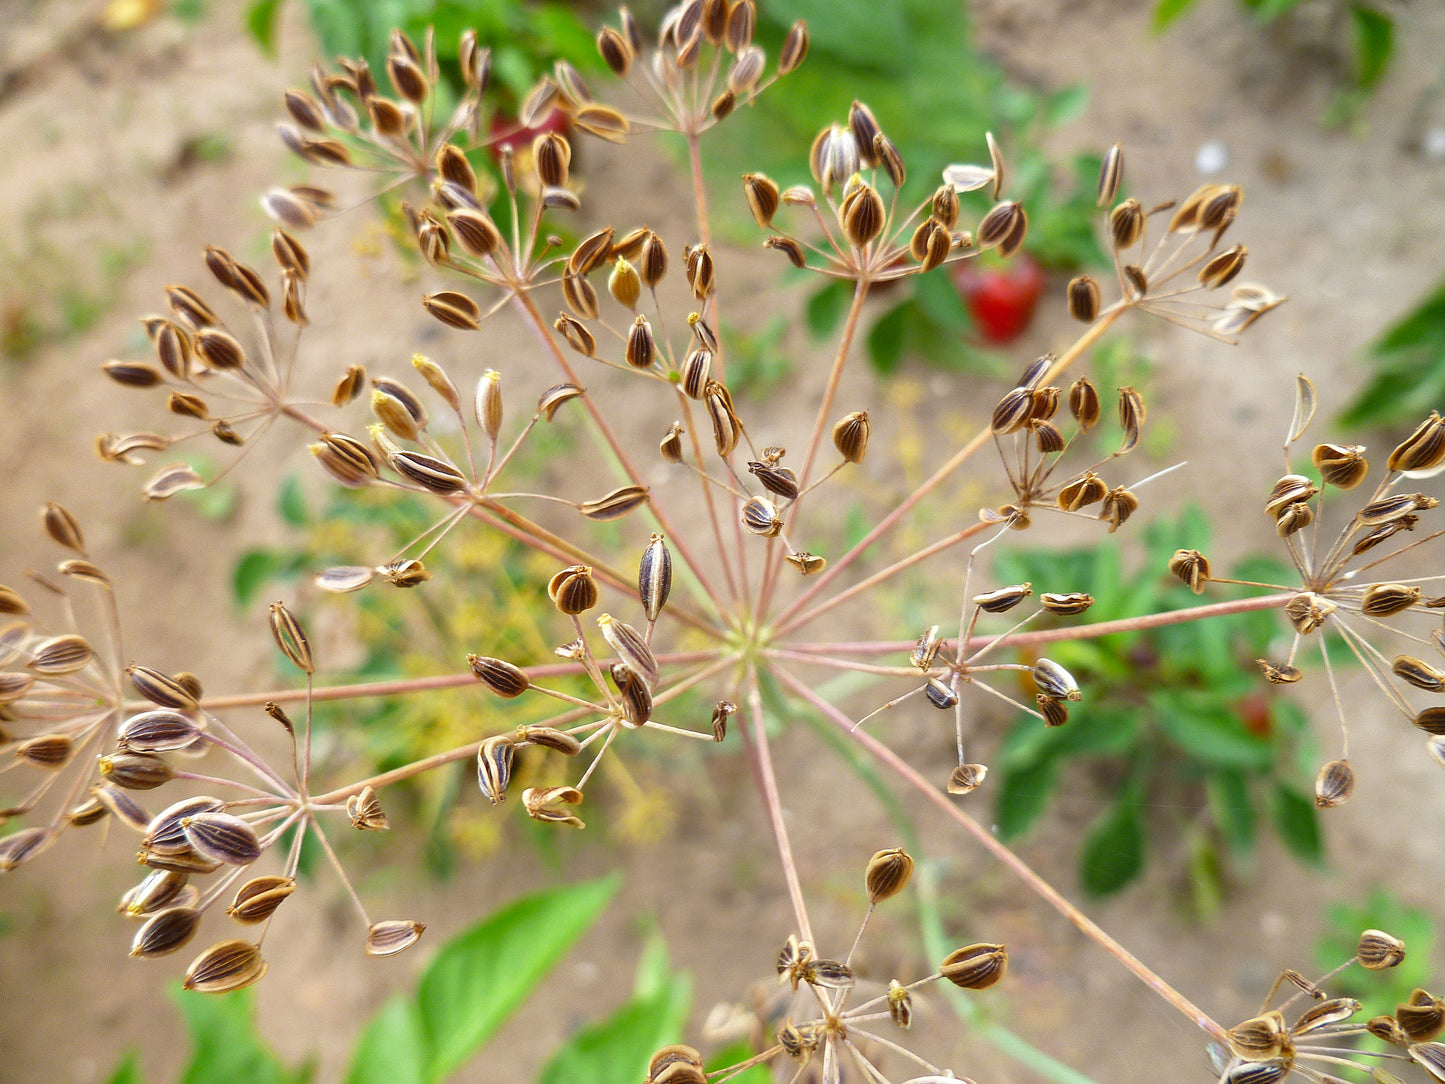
{"x": 114, "y": 179}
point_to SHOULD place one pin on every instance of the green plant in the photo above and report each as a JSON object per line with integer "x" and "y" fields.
{"x": 1409, "y": 363}
{"x": 1175, "y": 712}
{"x": 699, "y": 562}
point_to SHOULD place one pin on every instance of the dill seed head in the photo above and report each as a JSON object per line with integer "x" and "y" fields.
{"x": 975, "y": 967}
{"x": 1379, "y": 951}
{"x": 1334, "y": 784}
{"x": 227, "y": 966}
{"x": 887, "y": 874}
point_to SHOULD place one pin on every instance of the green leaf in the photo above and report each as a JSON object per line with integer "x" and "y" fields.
{"x": 291, "y": 503}
{"x": 261, "y": 24}
{"x": 253, "y": 569}
{"x": 1233, "y": 808}
{"x": 392, "y": 1049}
{"x": 620, "y": 1047}
{"x": 731, "y": 1055}
{"x": 480, "y": 977}
{"x": 826, "y": 307}
{"x": 1022, "y": 797}
{"x": 1166, "y": 11}
{"x": 1195, "y": 723}
{"x": 128, "y": 1071}
{"x": 1066, "y": 105}
{"x": 225, "y": 1048}
{"x": 1297, "y": 822}
{"x": 1374, "y": 42}
{"x": 886, "y": 337}
{"x": 1113, "y": 853}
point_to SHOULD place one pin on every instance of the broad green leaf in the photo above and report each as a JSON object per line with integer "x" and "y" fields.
{"x": 128, "y": 1071}
{"x": 1166, "y": 11}
{"x": 1113, "y": 853}
{"x": 225, "y": 1048}
{"x": 291, "y": 503}
{"x": 1233, "y": 808}
{"x": 253, "y": 569}
{"x": 261, "y": 24}
{"x": 1410, "y": 363}
{"x": 1201, "y": 727}
{"x": 477, "y": 979}
{"x": 620, "y": 1047}
{"x": 1374, "y": 42}
{"x": 1097, "y": 732}
{"x": 1297, "y": 822}
{"x": 1022, "y": 797}
{"x": 886, "y": 338}
{"x": 825, "y": 308}
{"x": 392, "y": 1049}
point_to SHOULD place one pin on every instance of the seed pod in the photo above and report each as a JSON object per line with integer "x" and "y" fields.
{"x": 400, "y": 399}
{"x": 1118, "y": 506}
{"x": 887, "y": 874}
{"x": 1431, "y": 720}
{"x": 795, "y": 1043}
{"x": 1083, "y": 298}
{"x": 1429, "y": 1055}
{"x": 1291, "y": 489}
{"x": 1292, "y": 519}
{"x": 1012, "y": 412}
{"x": 1419, "y": 674}
{"x": 721, "y": 713}
{"x": 1423, "y": 450}
{"x": 940, "y": 695}
{"x": 258, "y": 898}
{"x": 1054, "y": 681}
{"x": 1340, "y": 465}
{"x": 166, "y": 835}
{"x": 165, "y": 932}
{"x": 762, "y": 197}
{"x": 1047, "y": 437}
{"x": 1308, "y": 611}
{"x": 850, "y": 436}
{"x": 453, "y": 309}
{"x": 1336, "y": 1010}
{"x": 504, "y": 679}
{"x": 159, "y": 689}
{"x": 1192, "y": 567}
{"x": 1126, "y": 224}
{"x": 1004, "y": 598}
{"x": 636, "y": 694}
{"x": 862, "y": 215}
{"x": 365, "y": 811}
{"x": 1136, "y": 283}
{"x": 1334, "y": 784}
{"x": 1111, "y": 172}
{"x": 393, "y": 936}
{"x": 157, "y": 731}
{"x": 967, "y": 778}
{"x": 593, "y": 250}
{"x": 631, "y": 648}
{"x": 494, "y": 767}
{"x": 975, "y": 967}
{"x": 727, "y": 430}
{"x": 60, "y": 655}
{"x": 900, "y": 1004}
{"x": 1422, "y": 1017}
{"x": 346, "y": 459}
{"x": 654, "y": 577}
{"x": 1131, "y": 418}
{"x": 676, "y": 1054}
{"x": 1379, "y": 951}
{"x": 1385, "y": 1029}
{"x": 794, "y": 48}
{"x": 132, "y": 374}
{"x": 153, "y": 894}
{"x": 542, "y": 802}
{"x": 1259, "y": 1039}
{"x": 291, "y": 638}
{"x": 1223, "y": 268}
{"x": 670, "y": 447}
{"x": 120, "y": 805}
{"x": 1074, "y": 602}
{"x": 393, "y": 414}
{"x": 926, "y": 649}
{"x": 695, "y": 368}
{"x": 779, "y": 481}
{"x": 19, "y": 847}
{"x": 549, "y": 737}
{"x": 701, "y": 273}
{"x": 554, "y": 397}
{"x": 616, "y": 53}
{"x": 227, "y": 966}
{"x": 760, "y": 516}
{"x": 806, "y": 563}
{"x": 1386, "y": 599}
{"x": 222, "y": 837}
{"x": 624, "y": 284}
{"x": 49, "y": 751}
{"x": 1391, "y": 509}
{"x": 641, "y": 347}
{"x": 135, "y": 771}
{"x": 1278, "y": 675}
{"x": 614, "y": 505}
{"x": 573, "y": 590}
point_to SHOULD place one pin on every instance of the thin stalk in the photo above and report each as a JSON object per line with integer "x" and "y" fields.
{"x": 1004, "y": 855}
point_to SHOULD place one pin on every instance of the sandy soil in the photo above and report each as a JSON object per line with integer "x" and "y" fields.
{"x": 109, "y": 141}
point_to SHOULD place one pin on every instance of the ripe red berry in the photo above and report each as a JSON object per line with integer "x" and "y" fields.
{"x": 1001, "y": 299}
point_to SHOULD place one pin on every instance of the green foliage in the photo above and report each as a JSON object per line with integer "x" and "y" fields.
{"x": 1372, "y": 43}
{"x": 225, "y": 1048}
{"x": 1409, "y": 362}
{"x": 1171, "y": 716}
{"x": 935, "y": 96}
